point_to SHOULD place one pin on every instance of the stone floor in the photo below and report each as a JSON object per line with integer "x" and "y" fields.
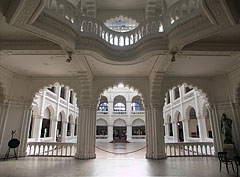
{"x": 107, "y": 164}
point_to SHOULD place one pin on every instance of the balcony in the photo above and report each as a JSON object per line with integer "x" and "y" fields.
{"x": 137, "y": 112}
{"x": 153, "y": 28}
{"x": 102, "y": 112}
{"x": 119, "y": 112}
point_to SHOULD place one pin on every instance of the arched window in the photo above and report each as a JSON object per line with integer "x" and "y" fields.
{"x": 121, "y": 24}
{"x": 176, "y": 93}
{"x": 103, "y": 106}
{"x": 59, "y": 128}
{"x": 188, "y": 89}
{"x": 75, "y": 127}
{"x": 136, "y": 107}
{"x": 62, "y": 94}
{"x": 45, "y": 131}
{"x": 119, "y": 107}
{"x": 69, "y": 126}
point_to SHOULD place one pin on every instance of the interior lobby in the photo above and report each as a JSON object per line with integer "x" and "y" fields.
{"x": 157, "y": 75}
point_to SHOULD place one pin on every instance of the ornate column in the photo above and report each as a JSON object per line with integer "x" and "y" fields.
{"x": 202, "y": 128}
{"x": 129, "y": 133}
{"x": 4, "y": 108}
{"x": 86, "y": 132}
{"x": 72, "y": 125}
{"x": 53, "y": 129}
{"x": 64, "y": 130}
{"x": 22, "y": 150}
{"x": 37, "y": 125}
{"x": 185, "y": 123}
{"x": 110, "y": 133}
{"x": 167, "y": 129}
{"x": 175, "y": 131}
{"x": 155, "y": 135}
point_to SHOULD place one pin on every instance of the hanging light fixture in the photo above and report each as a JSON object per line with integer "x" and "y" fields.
{"x": 173, "y": 53}
{"x": 69, "y": 59}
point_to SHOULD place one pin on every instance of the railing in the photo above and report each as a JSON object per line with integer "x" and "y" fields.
{"x": 182, "y": 9}
{"x": 176, "y": 102}
{"x": 51, "y": 149}
{"x": 138, "y": 112}
{"x": 88, "y": 26}
{"x": 102, "y": 112}
{"x": 119, "y": 112}
{"x": 51, "y": 95}
{"x": 189, "y": 149}
{"x": 101, "y": 136}
{"x": 189, "y": 95}
{"x": 138, "y": 136}
{"x": 92, "y": 26}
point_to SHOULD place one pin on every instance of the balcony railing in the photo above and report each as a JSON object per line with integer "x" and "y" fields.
{"x": 119, "y": 112}
{"x": 92, "y": 27}
{"x": 102, "y": 112}
{"x": 189, "y": 149}
{"x": 138, "y": 112}
{"x": 138, "y": 136}
{"x": 51, "y": 95}
{"x": 181, "y": 10}
{"x": 51, "y": 149}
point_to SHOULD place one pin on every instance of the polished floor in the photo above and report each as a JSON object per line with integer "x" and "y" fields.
{"x": 108, "y": 164}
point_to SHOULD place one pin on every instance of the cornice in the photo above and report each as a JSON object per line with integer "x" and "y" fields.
{"x": 130, "y": 55}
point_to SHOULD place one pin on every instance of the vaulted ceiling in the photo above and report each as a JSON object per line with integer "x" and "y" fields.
{"x": 27, "y": 54}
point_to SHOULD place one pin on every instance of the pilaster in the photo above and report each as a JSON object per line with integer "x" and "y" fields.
{"x": 86, "y": 133}
{"x": 155, "y": 135}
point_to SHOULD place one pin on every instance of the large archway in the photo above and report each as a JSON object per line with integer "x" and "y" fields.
{"x": 53, "y": 120}
{"x": 121, "y": 115}
{"x": 188, "y": 107}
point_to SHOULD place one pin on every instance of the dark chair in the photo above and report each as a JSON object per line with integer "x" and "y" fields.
{"x": 237, "y": 161}
{"x": 222, "y": 156}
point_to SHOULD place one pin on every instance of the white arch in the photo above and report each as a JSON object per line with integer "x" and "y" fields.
{"x": 101, "y": 122}
{"x": 138, "y": 122}
{"x": 119, "y": 122}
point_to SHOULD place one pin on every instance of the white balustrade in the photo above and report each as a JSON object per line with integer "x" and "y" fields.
{"x": 102, "y": 112}
{"x": 138, "y": 136}
{"x": 119, "y": 112}
{"x": 92, "y": 27}
{"x": 51, "y": 149}
{"x": 182, "y": 9}
{"x": 101, "y": 136}
{"x": 137, "y": 112}
{"x": 189, "y": 95}
{"x": 51, "y": 95}
{"x": 189, "y": 149}
{"x": 176, "y": 102}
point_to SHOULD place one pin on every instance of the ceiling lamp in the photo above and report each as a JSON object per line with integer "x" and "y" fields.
{"x": 173, "y": 53}
{"x": 69, "y": 59}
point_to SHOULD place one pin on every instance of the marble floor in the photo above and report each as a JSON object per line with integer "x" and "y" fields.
{"x": 107, "y": 164}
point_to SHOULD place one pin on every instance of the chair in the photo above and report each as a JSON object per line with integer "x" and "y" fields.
{"x": 237, "y": 161}
{"x": 222, "y": 156}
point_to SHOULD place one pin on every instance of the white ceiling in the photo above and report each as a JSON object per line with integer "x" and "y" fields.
{"x": 101, "y": 69}
{"x": 136, "y": 5}
{"x": 41, "y": 65}
{"x": 203, "y": 66}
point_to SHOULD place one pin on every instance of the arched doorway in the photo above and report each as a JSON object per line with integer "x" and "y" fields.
{"x": 55, "y": 119}
{"x": 45, "y": 130}
{"x": 180, "y": 127}
{"x": 193, "y": 124}
{"x": 190, "y": 122}
{"x": 102, "y": 129}
{"x": 119, "y": 130}
{"x": 138, "y": 129}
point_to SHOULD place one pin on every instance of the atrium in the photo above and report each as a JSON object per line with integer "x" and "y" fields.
{"x": 77, "y": 76}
